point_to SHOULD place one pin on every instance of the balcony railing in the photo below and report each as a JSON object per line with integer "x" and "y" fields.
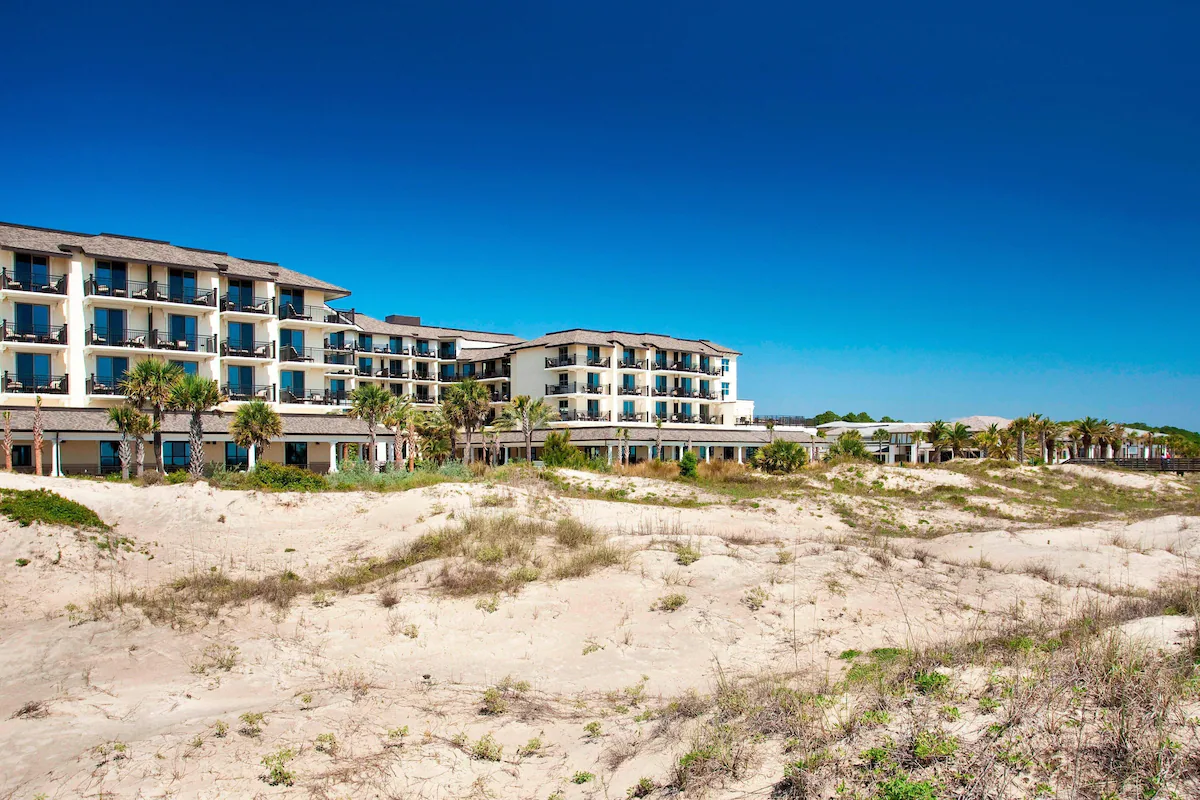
{"x": 316, "y": 313}
{"x": 104, "y": 384}
{"x": 114, "y": 337}
{"x": 150, "y": 290}
{"x": 45, "y": 283}
{"x": 680, "y": 391}
{"x": 326, "y": 397}
{"x": 248, "y": 305}
{"x": 342, "y": 346}
{"x": 453, "y": 377}
{"x": 488, "y": 374}
{"x": 571, "y": 415}
{"x": 423, "y": 376}
{"x": 300, "y": 354}
{"x": 422, "y": 398}
{"x": 639, "y": 416}
{"x": 501, "y": 397}
{"x": 34, "y": 383}
{"x": 636, "y": 391}
{"x": 560, "y": 388}
{"x": 657, "y": 392}
{"x": 600, "y": 362}
{"x": 557, "y": 362}
{"x": 631, "y": 363}
{"x": 447, "y": 353}
{"x": 388, "y": 372}
{"x": 423, "y": 353}
{"x": 596, "y": 388}
{"x": 241, "y": 349}
{"x": 685, "y": 418}
{"x": 183, "y": 343}
{"x": 33, "y": 334}
{"x": 709, "y": 419}
{"x": 245, "y": 391}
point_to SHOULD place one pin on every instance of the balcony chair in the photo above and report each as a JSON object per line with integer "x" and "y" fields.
{"x": 263, "y": 351}
{"x": 136, "y": 341}
{"x": 13, "y": 385}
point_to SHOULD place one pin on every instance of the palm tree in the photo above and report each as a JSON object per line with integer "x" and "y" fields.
{"x": 658, "y": 438}
{"x": 141, "y": 426}
{"x": 986, "y": 440}
{"x": 936, "y": 436}
{"x": 8, "y": 441}
{"x": 1114, "y": 437}
{"x": 958, "y": 437}
{"x": 1005, "y": 447}
{"x": 622, "y": 438}
{"x": 467, "y": 405}
{"x": 397, "y": 418}
{"x": 849, "y": 443}
{"x": 881, "y": 437}
{"x": 370, "y": 403}
{"x": 123, "y": 419}
{"x": 770, "y": 430}
{"x": 255, "y": 424}
{"x": 1087, "y": 429}
{"x": 149, "y": 383}
{"x": 1048, "y": 432}
{"x": 917, "y": 438}
{"x": 527, "y": 414}
{"x": 196, "y": 395}
{"x": 37, "y": 435}
{"x": 1019, "y": 427}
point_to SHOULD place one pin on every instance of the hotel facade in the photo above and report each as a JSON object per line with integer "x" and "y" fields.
{"x": 79, "y": 310}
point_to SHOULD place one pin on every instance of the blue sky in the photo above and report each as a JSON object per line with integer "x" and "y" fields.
{"x": 923, "y": 210}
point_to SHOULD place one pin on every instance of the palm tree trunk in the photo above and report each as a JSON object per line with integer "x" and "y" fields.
{"x": 466, "y": 445}
{"x": 371, "y": 447}
{"x": 157, "y": 440}
{"x": 139, "y": 447}
{"x": 529, "y": 445}
{"x": 396, "y": 453}
{"x": 125, "y": 455}
{"x": 196, "y": 433}
{"x": 412, "y": 445}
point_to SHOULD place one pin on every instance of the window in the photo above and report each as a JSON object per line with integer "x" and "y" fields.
{"x": 660, "y": 382}
{"x": 241, "y": 380}
{"x": 236, "y": 457}
{"x": 660, "y": 410}
{"x": 241, "y": 337}
{"x": 365, "y": 366}
{"x": 181, "y": 286}
{"x": 593, "y": 354}
{"x": 685, "y": 409}
{"x": 291, "y": 342}
{"x": 629, "y": 381}
{"x": 447, "y": 350}
{"x": 562, "y": 406}
{"x": 337, "y": 387}
{"x": 396, "y": 344}
{"x": 240, "y": 294}
{"x": 724, "y": 366}
{"x": 188, "y": 367}
{"x": 22, "y": 455}
{"x": 593, "y": 379}
{"x": 593, "y": 408}
{"x": 562, "y": 379}
{"x": 423, "y": 347}
{"x": 110, "y": 326}
{"x": 176, "y": 455}
{"x": 110, "y": 457}
{"x": 33, "y": 369}
{"x": 704, "y": 363}
{"x": 32, "y": 320}
{"x": 291, "y": 385}
{"x": 31, "y": 272}
{"x": 182, "y": 330}
{"x": 295, "y": 454}
{"x": 291, "y": 303}
{"x": 110, "y": 371}
{"x": 111, "y": 278}
{"x": 724, "y": 391}
{"x": 660, "y": 358}
{"x": 627, "y": 356}
{"x": 364, "y": 341}
{"x": 628, "y": 407}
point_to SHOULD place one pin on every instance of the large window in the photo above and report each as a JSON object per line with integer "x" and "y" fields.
{"x": 241, "y": 380}
{"x": 724, "y": 391}
{"x": 176, "y": 455}
{"x": 33, "y": 369}
{"x": 660, "y": 410}
{"x": 291, "y": 382}
{"x": 295, "y": 454}
{"x": 396, "y": 344}
{"x": 183, "y": 331}
{"x": 110, "y": 371}
{"x": 236, "y": 457}
{"x": 241, "y": 337}
{"x": 628, "y": 407}
{"x": 724, "y": 365}
{"x": 290, "y": 340}
{"x": 110, "y": 326}
{"x": 22, "y": 455}
{"x": 31, "y": 272}
{"x": 32, "y": 320}
{"x": 112, "y": 277}
{"x": 181, "y": 286}
{"x": 241, "y": 294}
{"x": 110, "y": 457}
{"x": 291, "y": 303}
{"x": 365, "y": 342}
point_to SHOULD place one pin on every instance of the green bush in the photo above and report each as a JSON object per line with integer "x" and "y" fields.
{"x": 557, "y": 451}
{"x": 687, "y": 465}
{"x": 26, "y": 506}
{"x": 177, "y": 477}
{"x": 455, "y": 469}
{"x": 901, "y": 787}
{"x": 283, "y": 478}
{"x": 780, "y": 457}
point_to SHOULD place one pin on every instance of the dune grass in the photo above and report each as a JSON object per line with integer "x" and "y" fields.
{"x": 26, "y": 506}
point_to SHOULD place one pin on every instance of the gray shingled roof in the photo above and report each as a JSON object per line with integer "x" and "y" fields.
{"x": 372, "y": 325}
{"x": 91, "y": 420}
{"x": 626, "y": 339}
{"x": 485, "y": 353}
{"x": 50, "y": 242}
{"x": 671, "y": 435}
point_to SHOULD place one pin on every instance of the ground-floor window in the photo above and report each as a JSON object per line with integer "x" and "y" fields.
{"x": 23, "y": 455}
{"x": 730, "y": 453}
{"x": 296, "y": 454}
{"x": 236, "y": 457}
{"x": 110, "y": 456}
{"x": 176, "y": 455}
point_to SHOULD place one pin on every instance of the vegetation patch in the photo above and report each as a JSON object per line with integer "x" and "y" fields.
{"x": 27, "y": 506}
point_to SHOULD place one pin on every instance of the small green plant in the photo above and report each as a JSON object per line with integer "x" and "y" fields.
{"x": 494, "y": 703}
{"x": 276, "y": 763}
{"x": 216, "y": 656}
{"x": 593, "y": 730}
{"x": 988, "y": 704}
{"x": 22, "y": 562}
{"x": 643, "y": 788}
{"x": 785, "y": 556}
{"x": 850, "y": 655}
{"x": 591, "y": 647}
{"x": 396, "y": 735}
{"x": 582, "y": 777}
{"x": 488, "y": 604}
{"x": 306, "y": 701}
{"x": 487, "y": 749}
{"x": 686, "y": 555}
{"x": 252, "y": 722}
{"x": 688, "y": 464}
{"x": 220, "y": 729}
{"x": 326, "y": 743}
{"x": 950, "y": 713}
{"x": 671, "y": 602}
{"x": 930, "y": 682}
{"x": 27, "y": 506}
{"x": 876, "y": 717}
{"x": 933, "y": 745}
{"x": 411, "y": 631}
{"x": 755, "y": 598}
{"x": 902, "y": 787}
{"x": 531, "y": 748}
{"x": 321, "y": 599}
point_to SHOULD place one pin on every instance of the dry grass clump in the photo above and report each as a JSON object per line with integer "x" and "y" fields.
{"x": 1075, "y": 711}
{"x": 653, "y": 468}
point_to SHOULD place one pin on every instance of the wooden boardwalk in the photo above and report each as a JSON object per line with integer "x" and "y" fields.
{"x": 1178, "y": 465}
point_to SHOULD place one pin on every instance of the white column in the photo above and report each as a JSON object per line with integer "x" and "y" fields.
{"x": 251, "y": 458}
{"x": 707, "y": 453}
{"x": 333, "y": 457}
{"x": 610, "y": 455}
{"x": 76, "y": 362}
{"x": 55, "y": 459}
{"x": 740, "y": 450}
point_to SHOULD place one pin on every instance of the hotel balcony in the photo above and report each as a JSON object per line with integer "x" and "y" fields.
{"x": 709, "y": 419}
{"x": 316, "y": 313}
{"x": 427, "y": 377}
{"x": 34, "y": 383}
{"x": 606, "y": 361}
{"x": 36, "y": 281}
{"x": 341, "y": 347}
{"x": 501, "y": 397}
{"x": 388, "y": 372}
{"x": 151, "y": 291}
{"x": 634, "y": 363}
{"x": 561, "y": 388}
{"x": 187, "y": 343}
{"x": 633, "y": 391}
{"x": 11, "y": 333}
{"x": 243, "y": 391}
{"x": 489, "y": 374}
{"x": 596, "y": 388}
{"x": 656, "y": 392}
{"x": 559, "y": 362}
{"x": 326, "y": 397}
{"x": 104, "y": 385}
{"x": 571, "y": 415}
{"x": 301, "y": 355}
{"x": 248, "y": 305}
{"x": 640, "y": 416}
{"x": 419, "y": 353}
{"x": 679, "y": 391}
{"x": 124, "y": 337}
{"x": 240, "y": 349}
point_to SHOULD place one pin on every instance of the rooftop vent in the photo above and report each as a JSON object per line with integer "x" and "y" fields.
{"x": 401, "y": 319}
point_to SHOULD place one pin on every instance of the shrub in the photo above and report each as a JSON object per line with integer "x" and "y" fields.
{"x": 285, "y": 478}
{"x": 933, "y": 745}
{"x": 582, "y": 777}
{"x": 687, "y": 465}
{"x": 901, "y": 787}
{"x": 22, "y": 562}
{"x": 671, "y": 602}
{"x": 177, "y": 477}
{"x": 326, "y": 743}
{"x": 756, "y": 598}
{"x": 487, "y": 749}
{"x": 455, "y": 469}
{"x": 557, "y": 451}
{"x": 780, "y": 457}
{"x": 276, "y": 763}
{"x": 930, "y": 682}
{"x": 643, "y": 788}
{"x": 593, "y": 730}
{"x": 686, "y": 555}
{"x": 26, "y": 506}
{"x": 252, "y": 722}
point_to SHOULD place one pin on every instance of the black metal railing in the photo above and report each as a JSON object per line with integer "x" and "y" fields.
{"x": 422, "y": 398}
{"x": 778, "y": 419}
{"x": 639, "y": 416}
{"x": 657, "y": 392}
{"x": 116, "y": 337}
{"x": 183, "y": 343}
{"x": 316, "y": 313}
{"x": 342, "y": 346}
{"x": 151, "y": 290}
{"x": 447, "y": 353}
{"x": 680, "y": 391}
{"x": 631, "y": 363}
{"x": 299, "y": 354}
{"x": 325, "y": 397}
{"x": 501, "y": 397}
{"x": 388, "y": 372}
{"x": 632, "y": 390}
{"x": 555, "y": 362}
{"x": 104, "y": 384}
{"x": 243, "y": 349}
{"x": 44, "y": 283}
{"x": 710, "y": 419}
{"x": 34, "y": 383}
{"x": 423, "y": 353}
{"x": 453, "y": 377}
{"x": 571, "y": 415}
{"x": 685, "y": 418}
{"x": 659, "y": 365}
{"x": 423, "y": 376}
{"x": 596, "y": 388}
{"x": 248, "y": 305}
{"x": 560, "y": 388}
{"x": 33, "y": 334}
{"x": 488, "y": 374}
{"x": 246, "y": 391}
{"x": 606, "y": 361}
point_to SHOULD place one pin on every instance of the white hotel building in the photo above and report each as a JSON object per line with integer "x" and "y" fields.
{"x": 78, "y": 310}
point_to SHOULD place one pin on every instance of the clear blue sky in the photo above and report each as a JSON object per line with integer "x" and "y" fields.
{"x": 916, "y": 209}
